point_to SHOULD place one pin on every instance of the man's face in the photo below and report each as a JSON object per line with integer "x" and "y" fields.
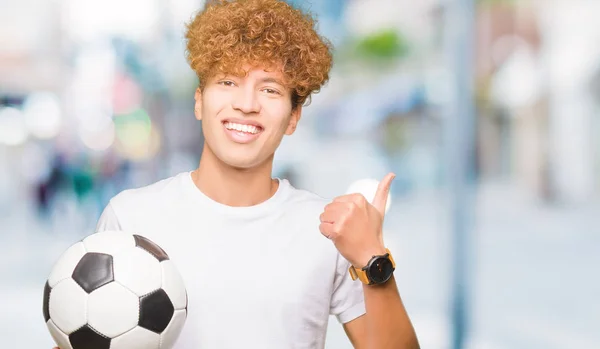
{"x": 245, "y": 118}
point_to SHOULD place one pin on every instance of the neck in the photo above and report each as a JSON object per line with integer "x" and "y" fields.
{"x": 234, "y": 186}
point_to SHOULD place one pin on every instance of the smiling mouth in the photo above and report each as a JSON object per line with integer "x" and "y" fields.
{"x": 247, "y": 129}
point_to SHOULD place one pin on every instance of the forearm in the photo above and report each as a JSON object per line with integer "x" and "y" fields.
{"x": 388, "y": 324}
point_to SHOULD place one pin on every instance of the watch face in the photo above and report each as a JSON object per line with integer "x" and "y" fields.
{"x": 380, "y": 270}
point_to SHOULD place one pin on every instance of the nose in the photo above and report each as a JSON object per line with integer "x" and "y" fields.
{"x": 245, "y": 100}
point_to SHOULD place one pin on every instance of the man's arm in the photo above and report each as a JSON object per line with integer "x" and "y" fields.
{"x": 356, "y": 228}
{"x": 386, "y": 323}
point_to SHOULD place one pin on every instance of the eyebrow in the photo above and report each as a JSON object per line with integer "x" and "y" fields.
{"x": 277, "y": 81}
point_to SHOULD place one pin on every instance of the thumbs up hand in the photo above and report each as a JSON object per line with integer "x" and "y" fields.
{"x": 355, "y": 225}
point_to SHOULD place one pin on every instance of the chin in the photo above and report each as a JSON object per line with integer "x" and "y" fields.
{"x": 241, "y": 159}
{"x": 242, "y": 163}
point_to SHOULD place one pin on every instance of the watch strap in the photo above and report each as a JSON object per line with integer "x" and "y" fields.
{"x": 359, "y": 274}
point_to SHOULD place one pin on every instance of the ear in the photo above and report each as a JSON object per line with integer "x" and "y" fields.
{"x": 198, "y": 104}
{"x": 295, "y": 117}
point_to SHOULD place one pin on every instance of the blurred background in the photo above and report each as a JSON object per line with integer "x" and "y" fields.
{"x": 487, "y": 111}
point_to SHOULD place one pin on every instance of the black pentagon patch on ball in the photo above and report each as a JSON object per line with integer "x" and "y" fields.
{"x": 87, "y": 338}
{"x": 156, "y": 311}
{"x": 93, "y": 271}
{"x": 46, "y": 307}
{"x": 151, "y": 248}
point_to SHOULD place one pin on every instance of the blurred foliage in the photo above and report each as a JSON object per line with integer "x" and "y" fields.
{"x": 385, "y": 44}
{"x": 380, "y": 48}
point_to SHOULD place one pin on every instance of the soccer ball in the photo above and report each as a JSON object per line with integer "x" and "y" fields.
{"x": 115, "y": 290}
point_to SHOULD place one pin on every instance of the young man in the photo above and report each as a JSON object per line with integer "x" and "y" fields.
{"x": 264, "y": 264}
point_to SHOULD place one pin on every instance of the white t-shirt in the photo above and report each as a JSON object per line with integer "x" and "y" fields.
{"x": 257, "y": 277}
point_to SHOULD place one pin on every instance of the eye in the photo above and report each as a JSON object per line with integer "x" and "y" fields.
{"x": 226, "y": 83}
{"x": 271, "y": 91}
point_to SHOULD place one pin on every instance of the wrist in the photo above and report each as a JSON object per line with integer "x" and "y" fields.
{"x": 363, "y": 261}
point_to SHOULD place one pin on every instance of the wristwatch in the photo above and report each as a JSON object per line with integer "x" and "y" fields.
{"x": 378, "y": 270}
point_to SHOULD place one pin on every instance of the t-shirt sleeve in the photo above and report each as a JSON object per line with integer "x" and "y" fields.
{"x": 347, "y": 300}
{"x": 108, "y": 220}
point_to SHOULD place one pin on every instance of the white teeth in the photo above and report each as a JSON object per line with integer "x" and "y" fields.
{"x": 241, "y": 128}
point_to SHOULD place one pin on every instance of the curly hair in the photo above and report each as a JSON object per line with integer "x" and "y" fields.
{"x": 271, "y": 33}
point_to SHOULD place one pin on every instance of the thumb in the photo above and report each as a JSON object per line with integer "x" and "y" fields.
{"x": 381, "y": 195}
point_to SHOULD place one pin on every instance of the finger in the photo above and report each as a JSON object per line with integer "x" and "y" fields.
{"x": 355, "y": 198}
{"x": 333, "y": 212}
{"x": 337, "y": 205}
{"x": 328, "y": 217}
{"x": 328, "y": 230}
{"x": 342, "y": 198}
{"x": 383, "y": 190}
